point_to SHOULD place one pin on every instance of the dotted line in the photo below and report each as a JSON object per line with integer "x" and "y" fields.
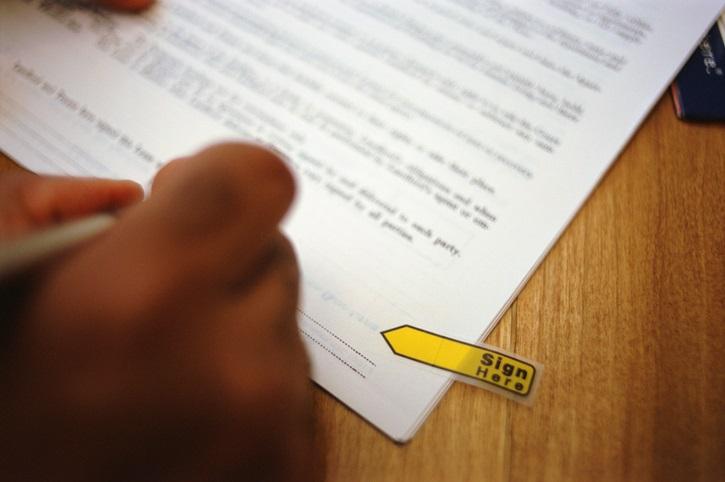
{"x": 337, "y": 337}
{"x": 314, "y": 340}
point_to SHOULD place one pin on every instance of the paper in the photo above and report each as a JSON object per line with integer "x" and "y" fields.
{"x": 441, "y": 146}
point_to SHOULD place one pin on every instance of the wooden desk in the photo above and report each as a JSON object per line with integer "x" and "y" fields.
{"x": 628, "y": 315}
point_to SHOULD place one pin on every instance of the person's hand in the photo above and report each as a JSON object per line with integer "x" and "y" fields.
{"x": 29, "y": 203}
{"x": 166, "y": 348}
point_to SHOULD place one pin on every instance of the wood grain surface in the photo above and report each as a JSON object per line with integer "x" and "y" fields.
{"x": 627, "y": 313}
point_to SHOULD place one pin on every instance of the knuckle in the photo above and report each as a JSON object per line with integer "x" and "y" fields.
{"x": 286, "y": 248}
{"x": 255, "y": 167}
{"x": 289, "y": 267}
{"x": 213, "y": 194}
{"x": 279, "y": 299}
{"x": 269, "y": 296}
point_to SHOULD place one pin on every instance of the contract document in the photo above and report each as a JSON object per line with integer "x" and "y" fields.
{"x": 440, "y": 146}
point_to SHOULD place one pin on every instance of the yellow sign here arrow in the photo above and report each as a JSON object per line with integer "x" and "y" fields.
{"x": 483, "y": 364}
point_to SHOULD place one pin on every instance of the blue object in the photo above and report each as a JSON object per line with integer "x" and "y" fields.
{"x": 699, "y": 90}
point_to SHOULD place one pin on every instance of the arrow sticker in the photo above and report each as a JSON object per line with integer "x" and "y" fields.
{"x": 505, "y": 373}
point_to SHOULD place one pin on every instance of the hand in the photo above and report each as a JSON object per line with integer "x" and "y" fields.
{"x": 29, "y": 202}
{"x": 166, "y": 348}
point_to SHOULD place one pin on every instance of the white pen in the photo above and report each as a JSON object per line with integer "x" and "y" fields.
{"x": 27, "y": 252}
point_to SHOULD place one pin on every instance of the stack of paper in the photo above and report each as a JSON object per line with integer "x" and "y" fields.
{"x": 441, "y": 146}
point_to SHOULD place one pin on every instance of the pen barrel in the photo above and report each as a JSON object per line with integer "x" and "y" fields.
{"x": 27, "y": 252}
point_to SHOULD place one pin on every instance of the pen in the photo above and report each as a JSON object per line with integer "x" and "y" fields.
{"x": 27, "y": 252}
